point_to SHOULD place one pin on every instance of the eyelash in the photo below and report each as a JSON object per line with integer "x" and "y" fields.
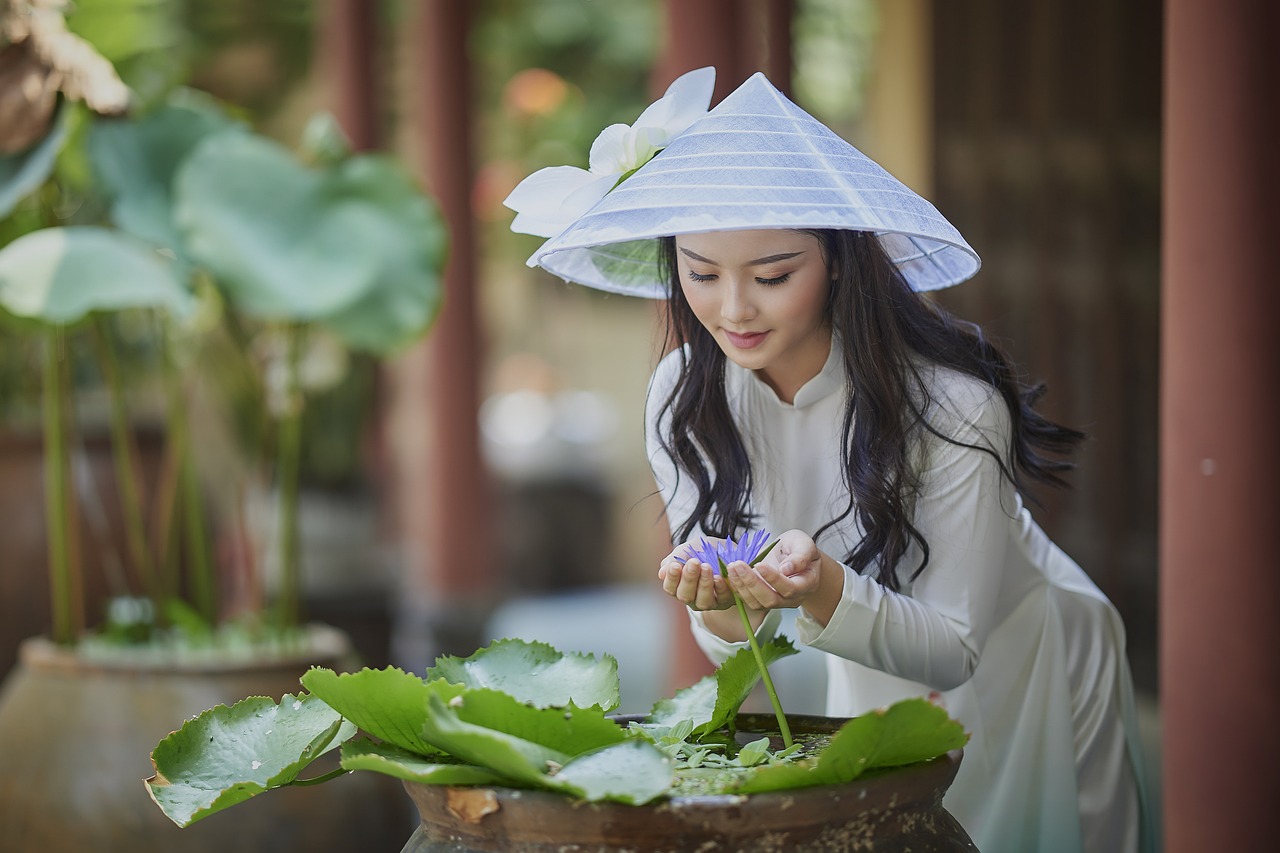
{"x": 767, "y": 282}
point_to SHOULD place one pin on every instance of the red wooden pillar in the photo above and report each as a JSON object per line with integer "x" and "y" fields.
{"x": 442, "y": 496}
{"x": 1220, "y": 358}
{"x": 349, "y": 39}
{"x": 738, "y": 37}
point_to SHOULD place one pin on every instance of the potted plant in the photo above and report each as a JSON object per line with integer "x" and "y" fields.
{"x": 514, "y": 748}
{"x": 200, "y": 236}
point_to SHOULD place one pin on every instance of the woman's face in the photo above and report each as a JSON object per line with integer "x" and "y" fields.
{"x": 762, "y": 295}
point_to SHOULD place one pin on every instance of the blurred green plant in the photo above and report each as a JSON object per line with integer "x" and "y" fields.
{"x": 526, "y": 55}
{"x": 217, "y": 234}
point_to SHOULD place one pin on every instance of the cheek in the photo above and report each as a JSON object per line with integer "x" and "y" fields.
{"x": 811, "y": 308}
{"x": 701, "y": 302}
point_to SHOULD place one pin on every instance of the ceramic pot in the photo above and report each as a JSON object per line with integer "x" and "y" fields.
{"x": 75, "y": 745}
{"x": 895, "y": 810}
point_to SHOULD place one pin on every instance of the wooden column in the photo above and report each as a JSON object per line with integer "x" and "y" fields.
{"x": 446, "y": 525}
{"x": 349, "y": 39}
{"x": 738, "y": 37}
{"x": 1219, "y": 510}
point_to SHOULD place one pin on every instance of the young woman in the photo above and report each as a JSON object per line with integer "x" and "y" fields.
{"x": 815, "y": 392}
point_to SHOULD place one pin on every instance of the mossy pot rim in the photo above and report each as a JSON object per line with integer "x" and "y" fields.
{"x": 313, "y": 644}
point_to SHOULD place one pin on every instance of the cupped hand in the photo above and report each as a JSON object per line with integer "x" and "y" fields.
{"x": 694, "y": 583}
{"x": 787, "y": 577}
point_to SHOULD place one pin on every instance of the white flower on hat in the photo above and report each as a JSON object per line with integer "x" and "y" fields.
{"x": 551, "y": 199}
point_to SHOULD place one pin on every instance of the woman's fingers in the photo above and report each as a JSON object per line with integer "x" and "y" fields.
{"x": 707, "y": 595}
{"x": 764, "y": 587}
{"x": 694, "y": 584}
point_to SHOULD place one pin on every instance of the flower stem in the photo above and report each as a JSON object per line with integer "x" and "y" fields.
{"x": 764, "y": 671}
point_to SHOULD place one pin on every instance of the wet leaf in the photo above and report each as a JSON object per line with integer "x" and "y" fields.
{"x": 624, "y": 771}
{"x": 536, "y": 673}
{"x": 632, "y": 772}
{"x": 228, "y": 754}
{"x": 570, "y": 730}
{"x": 390, "y": 703}
{"x": 365, "y": 754}
{"x": 906, "y": 732}
{"x": 714, "y": 701}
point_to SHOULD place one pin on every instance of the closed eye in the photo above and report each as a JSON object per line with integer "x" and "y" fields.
{"x": 770, "y": 282}
{"x": 693, "y": 276}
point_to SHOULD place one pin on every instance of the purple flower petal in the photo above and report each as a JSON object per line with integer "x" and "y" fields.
{"x": 746, "y": 549}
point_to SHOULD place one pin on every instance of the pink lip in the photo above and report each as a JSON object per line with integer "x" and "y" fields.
{"x": 750, "y": 340}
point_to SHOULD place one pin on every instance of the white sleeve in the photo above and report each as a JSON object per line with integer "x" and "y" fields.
{"x": 934, "y": 635}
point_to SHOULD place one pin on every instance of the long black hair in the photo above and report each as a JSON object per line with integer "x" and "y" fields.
{"x": 885, "y": 332}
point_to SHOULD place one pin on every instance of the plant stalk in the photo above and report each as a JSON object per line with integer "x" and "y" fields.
{"x": 764, "y": 670}
{"x": 192, "y": 506}
{"x": 56, "y": 493}
{"x": 126, "y": 465}
{"x": 289, "y": 451}
{"x": 316, "y": 780}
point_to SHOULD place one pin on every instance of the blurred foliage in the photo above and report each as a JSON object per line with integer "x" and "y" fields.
{"x": 279, "y": 266}
{"x": 532, "y": 61}
{"x": 834, "y": 55}
{"x": 249, "y": 54}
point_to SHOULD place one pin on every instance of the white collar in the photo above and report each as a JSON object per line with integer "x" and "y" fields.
{"x": 828, "y": 380}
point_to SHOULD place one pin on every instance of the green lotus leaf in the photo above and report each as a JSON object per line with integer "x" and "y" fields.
{"x": 551, "y": 753}
{"x": 59, "y": 275}
{"x": 536, "y": 673}
{"x": 520, "y": 760}
{"x": 354, "y": 245}
{"x": 390, "y": 703}
{"x": 714, "y": 701}
{"x": 568, "y": 729}
{"x": 406, "y": 292}
{"x": 135, "y": 161}
{"x": 22, "y": 173}
{"x": 633, "y": 772}
{"x": 365, "y": 754}
{"x": 227, "y": 755}
{"x": 906, "y": 732}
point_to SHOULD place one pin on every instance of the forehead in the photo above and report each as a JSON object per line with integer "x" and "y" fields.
{"x": 741, "y": 246}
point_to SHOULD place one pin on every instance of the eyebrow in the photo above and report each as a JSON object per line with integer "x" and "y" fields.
{"x": 769, "y": 259}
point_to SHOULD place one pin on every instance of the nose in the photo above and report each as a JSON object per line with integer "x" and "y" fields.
{"x": 736, "y": 306}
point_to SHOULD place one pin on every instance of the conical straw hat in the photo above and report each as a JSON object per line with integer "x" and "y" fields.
{"x": 756, "y": 161}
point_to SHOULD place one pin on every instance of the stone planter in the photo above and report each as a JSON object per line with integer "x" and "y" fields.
{"x": 897, "y": 810}
{"x": 76, "y": 737}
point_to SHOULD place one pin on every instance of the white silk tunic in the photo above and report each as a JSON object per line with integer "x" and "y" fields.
{"x": 1026, "y": 651}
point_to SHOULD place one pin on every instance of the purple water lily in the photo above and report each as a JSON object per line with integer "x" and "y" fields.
{"x": 748, "y": 549}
